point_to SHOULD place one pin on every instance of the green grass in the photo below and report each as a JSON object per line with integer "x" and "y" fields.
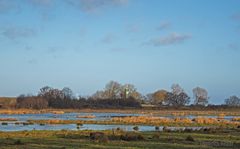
{"x": 228, "y": 138}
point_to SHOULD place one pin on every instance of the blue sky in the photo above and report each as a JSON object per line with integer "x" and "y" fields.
{"x": 83, "y": 44}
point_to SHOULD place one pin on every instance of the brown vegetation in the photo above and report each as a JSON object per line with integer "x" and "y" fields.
{"x": 149, "y": 120}
{"x": 7, "y": 102}
{"x": 58, "y": 112}
{"x": 8, "y": 119}
{"x": 236, "y": 119}
{"x": 156, "y": 121}
{"x": 86, "y": 116}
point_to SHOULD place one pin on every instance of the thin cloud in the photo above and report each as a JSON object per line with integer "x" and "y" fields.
{"x": 6, "y": 6}
{"x": 83, "y": 5}
{"x": 28, "y": 48}
{"x": 133, "y": 28}
{"x": 94, "y": 5}
{"x": 233, "y": 46}
{"x": 44, "y": 7}
{"x": 42, "y": 3}
{"x": 164, "y": 25}
{"x": 54, "y": 49}
{"x": 118, "y": 49}
{"x": 109, "y": 38}
{"x": 18, "y": 32}
{"x": 236, "y": 17}
{"x": 171, "y": 39}
{"x": 32, "y": 61}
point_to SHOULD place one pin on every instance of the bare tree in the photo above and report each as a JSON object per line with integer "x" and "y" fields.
{"x": 177, "y": 97}
{"x": 68, "y": 93}
{"x": 180, "y": 99}
{"x": 44, "y": 91}
{"x": 177, "y": 89}
{"x": 159, "y": 97}
{"x": 201, "y": 96}
{"x": 129, "y": 90}
{"x": 99, "y": 95}
{"x": 233, "y": 101}
{"x": 56, "y": 94}
{"x": 32, "y": 102}
{"x": 113, "y": 89}
{"x": 51, "y": 93}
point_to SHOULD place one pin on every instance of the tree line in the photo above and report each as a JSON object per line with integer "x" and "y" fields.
{"x": 116, "y": 95}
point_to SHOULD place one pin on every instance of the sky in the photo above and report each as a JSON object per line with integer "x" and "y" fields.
{"x": 83, "y": 44}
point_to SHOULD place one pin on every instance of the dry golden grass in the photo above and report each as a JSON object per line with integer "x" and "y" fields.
{"x": 8, "y": 119}
{"x": 30, "y": 111}
{"x": 162, "y": 112}
{"x": 236, "y": 119}
{"x": 149, "y": 120}
{"x": 19, "y": 111}
{"x": 86, "y": 116}
{"x": 58, "y": 112}
{"x": 221, "y": 116}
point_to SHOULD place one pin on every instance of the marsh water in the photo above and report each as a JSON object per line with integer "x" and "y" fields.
{"x": 11, "y": 126}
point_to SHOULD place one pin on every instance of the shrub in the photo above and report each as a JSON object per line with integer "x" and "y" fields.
{"x": 135, "y": 128}
{"x": 18, "y": 142}
{"x": 212, "y": 130}
{"x": 140, "y": 137}
{"x": 17, "y": 123}
{"x": 209, "y": 130}
{"x": 165, "y": 129}
{"x": 205, "y": 129}
{"x": 132, "y": 137}
{"x": 190, "y": 138}
{"x": 99, "y": 136}
{"x": 79, "y": 124}
{"x": 4, "y": 123}
{"x": 25, "y": 123}
{"x": 180, "y": 130}
{"x": 156, "y": 136}
{"x": 104, "y": 139}
{"x": 188, "y": 130}
{"x": 118, "y": 129}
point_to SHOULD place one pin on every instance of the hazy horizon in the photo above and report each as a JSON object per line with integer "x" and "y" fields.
{"x": 83, "y": 44}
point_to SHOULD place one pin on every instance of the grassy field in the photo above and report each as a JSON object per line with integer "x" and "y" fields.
{"x": 224, "y": 137}
{"x": 229, "y": 138}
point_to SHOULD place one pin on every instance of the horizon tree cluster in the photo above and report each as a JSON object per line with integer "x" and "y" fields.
{"x": 116, "y": 95}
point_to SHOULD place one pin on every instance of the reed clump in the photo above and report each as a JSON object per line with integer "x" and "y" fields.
{"x": 86, "y": 116}
{"x": 58, "y": 112}
{"x": 8, "y": 119}
{"x": 157, "y": 121}
{"x": 236, "y": 119}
